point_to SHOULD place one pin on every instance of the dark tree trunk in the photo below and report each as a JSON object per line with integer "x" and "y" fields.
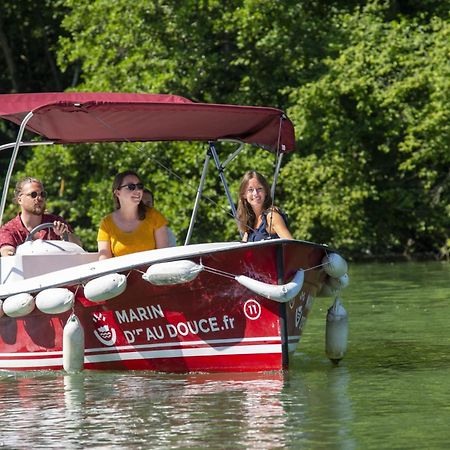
{"x": 9, "y": 59}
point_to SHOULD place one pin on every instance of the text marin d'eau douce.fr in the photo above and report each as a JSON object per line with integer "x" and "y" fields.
{"x": 157, "y": 332}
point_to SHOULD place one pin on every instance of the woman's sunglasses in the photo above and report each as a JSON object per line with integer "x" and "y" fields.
{"x": 132, "y": 186}
{"x": 36, "y": 194}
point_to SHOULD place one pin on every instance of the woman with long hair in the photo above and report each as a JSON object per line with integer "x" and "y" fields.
{"x": 132, "y": 227}
{"x": 258, "y": 219}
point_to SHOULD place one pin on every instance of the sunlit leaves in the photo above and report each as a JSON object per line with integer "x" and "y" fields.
{"x": 366, "y": 84}
{"x": 380, "y": 117}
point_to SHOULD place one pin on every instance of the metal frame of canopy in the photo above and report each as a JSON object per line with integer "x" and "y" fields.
{"x": 123, "y": 104}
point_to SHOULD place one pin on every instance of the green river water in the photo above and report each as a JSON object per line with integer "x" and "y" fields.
{"x": 392, "y": 390}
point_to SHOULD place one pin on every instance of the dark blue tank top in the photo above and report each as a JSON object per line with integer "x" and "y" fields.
{"x": 261, "y": 234}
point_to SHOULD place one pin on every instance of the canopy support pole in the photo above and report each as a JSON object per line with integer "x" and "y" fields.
{"x": 11, "y": 164}
{"x": 197, "y": 198}
{"x": 221, "y": 168}
{"x": 275, "y": 175}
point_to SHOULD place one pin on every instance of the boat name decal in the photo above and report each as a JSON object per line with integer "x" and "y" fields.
{"x": 298, "y": 315}
{"x": 172, "y": 330}
{"x": 139, "y": 314}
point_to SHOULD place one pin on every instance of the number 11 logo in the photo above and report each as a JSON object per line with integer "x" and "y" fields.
{"x": 252, "y": 309}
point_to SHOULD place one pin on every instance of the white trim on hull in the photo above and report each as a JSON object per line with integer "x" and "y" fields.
{"x": 261, "y": 345}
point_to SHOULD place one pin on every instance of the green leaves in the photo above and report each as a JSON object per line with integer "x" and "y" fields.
{"x": 367, "y": 88}
{"x": 376, "y": 119}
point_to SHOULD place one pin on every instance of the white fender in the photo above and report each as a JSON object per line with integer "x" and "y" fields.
{"x": 281, "y": 293}
{"x": 327, "y": 291}
{"x": 334, "y": 265}
{"x": 73, "y": 345}
{"x": 340, "y": 282}
{"x": 18, "y": 305}
{"x": 105, "y": 287}
{"x": 1, "y": 308}
{"x": 333, "y": 286}
{"x": 173, "y": 272}
{"x": 336, "y": 331}
{"x": 55, "y": 300}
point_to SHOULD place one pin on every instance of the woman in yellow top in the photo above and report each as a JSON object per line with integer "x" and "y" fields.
{"x": 132, "y": 227}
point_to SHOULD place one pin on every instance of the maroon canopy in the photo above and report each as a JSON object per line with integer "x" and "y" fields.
{"x": 75, "y": 117}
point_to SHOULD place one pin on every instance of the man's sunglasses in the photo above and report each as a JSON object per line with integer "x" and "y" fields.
{"x": 36, "y": 194}
{"x": 133, "y": 186}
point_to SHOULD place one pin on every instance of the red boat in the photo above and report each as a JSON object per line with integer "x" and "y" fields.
{"x": 211, "y": 307}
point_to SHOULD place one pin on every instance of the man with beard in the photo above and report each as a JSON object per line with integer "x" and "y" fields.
{"x": 31, "y": 197}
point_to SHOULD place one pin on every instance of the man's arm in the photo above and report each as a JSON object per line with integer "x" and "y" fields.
{"x": 75, "y": 239}
{"x": 61, "y": 227}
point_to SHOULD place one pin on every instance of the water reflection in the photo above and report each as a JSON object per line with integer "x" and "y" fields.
{"x": 74, "y": 396}
{"x": 340, "y": 406}
{"x": 199, "y": 410}
{"x": 395, "y": 373}
{"x": 145, "y": 410}
{"x": 326, "y": 417}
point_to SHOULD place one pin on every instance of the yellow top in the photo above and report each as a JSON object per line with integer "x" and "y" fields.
{"x": 138, "y": 240}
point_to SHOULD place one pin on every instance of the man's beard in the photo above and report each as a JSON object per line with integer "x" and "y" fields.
{"x": 36, "y": 209}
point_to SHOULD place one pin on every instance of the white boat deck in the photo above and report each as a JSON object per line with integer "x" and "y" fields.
{"x": 31, "y": 272}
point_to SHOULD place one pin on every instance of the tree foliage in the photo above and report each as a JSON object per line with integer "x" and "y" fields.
{"x": 374, "y": 129}
{"x": 29, "y": 33}
{"x": 366, "y": 84}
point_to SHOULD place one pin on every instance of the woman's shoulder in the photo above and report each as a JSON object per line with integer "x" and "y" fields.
{"x": 108, "y": 219}
{"x": 275, "y": 211}
{"x": 152, "y": 214}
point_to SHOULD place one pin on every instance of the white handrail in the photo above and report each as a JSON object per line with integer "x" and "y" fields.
{"x": 11, "y": 164}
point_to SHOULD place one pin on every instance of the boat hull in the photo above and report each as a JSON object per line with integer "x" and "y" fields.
{"x": 209, "y": 324}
